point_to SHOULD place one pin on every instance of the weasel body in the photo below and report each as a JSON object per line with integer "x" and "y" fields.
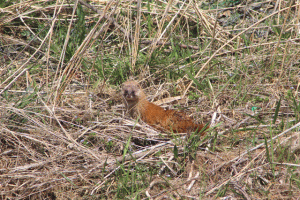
{"x": 138, "y": 106}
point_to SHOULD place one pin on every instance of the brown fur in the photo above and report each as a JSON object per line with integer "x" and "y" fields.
{"x": 138, "y": 106}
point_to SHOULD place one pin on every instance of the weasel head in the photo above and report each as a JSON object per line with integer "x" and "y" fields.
{"x": 132, "y": 91}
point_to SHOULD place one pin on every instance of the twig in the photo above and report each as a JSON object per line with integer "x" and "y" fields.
{"x": 110, "y": 19}
{"x": 239, "y": 188}
{"x": 262, "y": 144}
{"x": 229, "y": 41}
{"x": 121, "y": 159}
{"x": 166, "y": 164}
{"x": 193, "y": 182}
{"x": 286, "y": 164}
{"x": 184, "y": 46}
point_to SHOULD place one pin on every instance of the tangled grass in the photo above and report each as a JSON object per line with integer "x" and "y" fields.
{"x": 65, "y": 133}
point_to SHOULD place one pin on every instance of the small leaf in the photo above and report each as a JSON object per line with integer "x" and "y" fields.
{"x": 175, "y": 152}
{"x": 126, "y": 147}
{"x": 276, "y": 111}
{"x": 267, "y": 148}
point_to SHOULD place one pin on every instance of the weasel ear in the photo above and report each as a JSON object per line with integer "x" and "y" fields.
{"x": 124, "y": 84}
{"x": 130, "y": 78}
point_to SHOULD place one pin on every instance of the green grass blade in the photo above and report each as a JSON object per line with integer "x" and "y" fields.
{"x": 276, "y": 111}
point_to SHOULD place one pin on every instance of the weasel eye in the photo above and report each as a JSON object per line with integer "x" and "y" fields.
{"x": 125, "y": 92}
{"x": 133, "y": 93}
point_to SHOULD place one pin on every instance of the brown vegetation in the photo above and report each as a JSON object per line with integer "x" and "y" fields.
{"x": 64, "y": 132}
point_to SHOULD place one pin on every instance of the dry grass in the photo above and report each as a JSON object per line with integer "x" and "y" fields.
{"x": 64, "y": 131}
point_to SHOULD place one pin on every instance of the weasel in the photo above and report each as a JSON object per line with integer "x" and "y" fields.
{"x": 139, "y": 107}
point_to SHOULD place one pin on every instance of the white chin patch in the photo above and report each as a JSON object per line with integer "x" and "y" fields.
{"x": 137, "y": 93}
